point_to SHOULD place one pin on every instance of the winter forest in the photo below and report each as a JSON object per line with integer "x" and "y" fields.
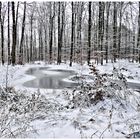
{"x": 70, "y": 69}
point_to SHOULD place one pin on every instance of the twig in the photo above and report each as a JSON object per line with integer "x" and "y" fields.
{"x": 94, "y": 133}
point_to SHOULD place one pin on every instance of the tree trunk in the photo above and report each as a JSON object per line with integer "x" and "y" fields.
{"x": 2, "y": 34}
{"x": 16, "y": 24}
{"x": 120, "y": 28}
{"x": 51, "y": 30}
{"x": 45, "y": 30}
{"x": 89, "y": 32}
{"x": 72, "y": 34}
{"x": 59, "y": 34}
{"x": 40, "y": 43}
{"x": 138, "y": 39}
{"x": 114, "y": 31}
{"x": 107, "y": 21}
{"x": 101, "y": 29}
{"x": 61, "y": 17}
{"x": 31, "y": 38}
{"x": 27, "y": 49}
{"x": 13, "y": 35}
{"x": 9, "y": 57}
{"x": 22, "y": 36}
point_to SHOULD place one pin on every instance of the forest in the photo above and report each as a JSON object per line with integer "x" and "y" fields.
{"x": 69, "y": 31}
{"x": 69, "y": 69}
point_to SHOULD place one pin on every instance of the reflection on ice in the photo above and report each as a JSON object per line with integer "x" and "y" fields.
{"x": 49, "y": 78}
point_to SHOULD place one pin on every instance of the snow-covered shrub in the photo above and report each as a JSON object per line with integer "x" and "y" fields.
{"x": 104, "y": 85}
{"x": 18, "y": 109}
{"x": 87, "y": 94}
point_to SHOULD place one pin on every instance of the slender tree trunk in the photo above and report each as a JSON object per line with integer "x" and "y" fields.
{"x": 31, "y": 38}
{"x": 27, "y": 48}
{"x": 2, "y": 34}
{"x": 51, "y": 30}
{"x": 41, "y": 44}
{"x": 133, "y": 46}
{"x": 126, "y": 44}
{"x": 79, "y": 30}
{"x": 17, "y": 13}
{"x": 114, "y": 31}
{"x": 34, "y": 45}
{"x": 62, "y": 28}
{"x": 22, "y": 36}
{"x": 16, "y": 24}
{"x": 61, "y": 17}
{"x": 72, "y": 34}
{"x": 102, "y": 31}
{"x": 45, "y": 44}
{"x": 89, "y": 32}
{"x": 138, "y": 39}
{"x": 107, "y": 21}
{"x": 13, "y": 35}
{"x": 9, "y": 56}
{"x": 59, "y": 34}
{"x": 100, "y": 26}
{"x": 120, "y": 28}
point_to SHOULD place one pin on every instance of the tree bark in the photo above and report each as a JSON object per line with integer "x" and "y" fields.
{"x": 13, "y": 35}
{"x": 61, "y": 17}
{"x": 101, "y": 29}
{"x": 114, "y": 31}
{"x": 31, "y": 37}
{"x": 52, "y": 15}
{"x": 59, "y": 34}
{"x": 120, "y": 28}
{"x": 9, "y": 57}
{"x": 89, "y": 32}
{"x": 2, "y": 34}
{"x": 107, "y": 21}
{"x": 72, "y": 34}
{"x": 22, "y": 36}
{"x": 138, "y": 39}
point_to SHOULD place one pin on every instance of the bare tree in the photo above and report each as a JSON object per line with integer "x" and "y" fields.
{"x": 120, "y": 27}
{"x": 114, "y": 30}
{"x": 61, "y": 17}
{"x": 89, "y": 32}
{"x": 107, "y": 24}
{"x": 59, "y": 34}
{"x": 22, "y": 36}
{"x": 138, "y": 39}
{"x": 2, "y": 33}
{"x": 13, "y": 35}
{"x": 79, "y": 29}
{"x": 51, "y": 25}
{"x": 101, "y": 28}
{"x": 72, "y": 34}
{"x": 9, "y": 56}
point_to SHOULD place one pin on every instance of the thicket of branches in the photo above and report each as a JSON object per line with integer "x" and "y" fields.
{"x": 69, "y": 31}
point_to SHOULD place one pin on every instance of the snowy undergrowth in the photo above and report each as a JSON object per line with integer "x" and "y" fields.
{"x": 18, "y": 110}
{"x": 128, "y": 69}
{"x": 106, "y": 108}
{"x": 115, "y": 108}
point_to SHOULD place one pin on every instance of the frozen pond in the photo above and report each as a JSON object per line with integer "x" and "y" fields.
{"x": 49, "y": 78}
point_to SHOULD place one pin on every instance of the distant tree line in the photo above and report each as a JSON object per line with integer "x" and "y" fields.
{"x": 69, "y": 32}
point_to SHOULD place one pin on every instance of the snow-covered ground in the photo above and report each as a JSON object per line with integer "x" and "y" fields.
{"x": 129, "y": 69}
{"x": 110, "y": 118}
